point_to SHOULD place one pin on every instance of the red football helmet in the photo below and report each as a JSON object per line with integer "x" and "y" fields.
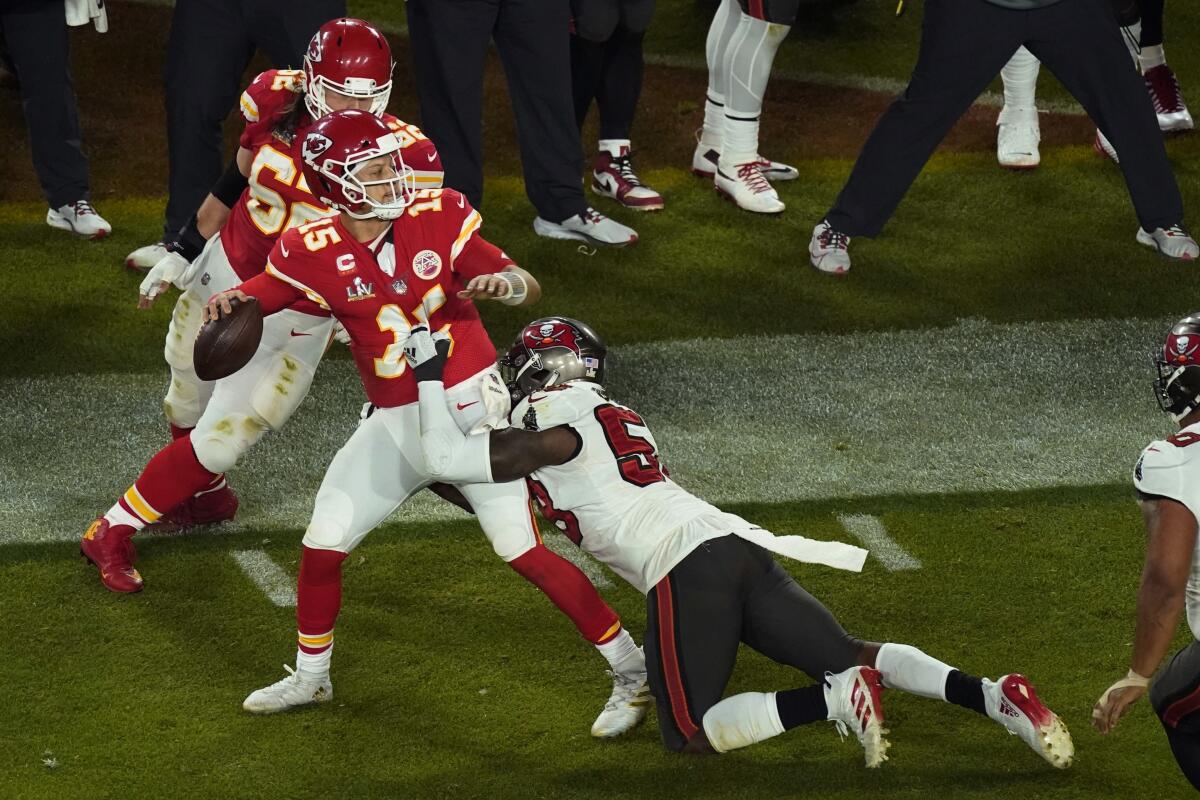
{"x": 334, "y": 151}
{"x": 351, "y": 57}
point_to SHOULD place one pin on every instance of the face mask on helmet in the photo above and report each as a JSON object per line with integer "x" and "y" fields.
{"x": 318, "y": 92}
{"x": 552, "y": 351}
{"x": 375, "y": 176}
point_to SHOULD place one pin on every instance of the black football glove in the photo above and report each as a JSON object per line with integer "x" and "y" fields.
{"x": 427, "y": 353}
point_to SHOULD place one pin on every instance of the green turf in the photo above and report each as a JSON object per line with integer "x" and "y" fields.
{"x": 453, "y": 678}
{"x": 969, "y": 241}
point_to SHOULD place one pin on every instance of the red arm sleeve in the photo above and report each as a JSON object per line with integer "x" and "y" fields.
{"x": 480, "y": 257}
{"x": 272, "y": 294}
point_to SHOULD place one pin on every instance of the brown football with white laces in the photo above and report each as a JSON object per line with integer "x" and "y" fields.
{"x": 227, "y": 344}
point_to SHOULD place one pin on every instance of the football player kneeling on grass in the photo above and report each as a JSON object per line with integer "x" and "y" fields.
{"x": 1167, "y": 477}
{"x": 709, "y": 577}
{"x": 394, "y": 257}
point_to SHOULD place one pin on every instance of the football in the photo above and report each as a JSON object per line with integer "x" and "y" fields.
{"x": 225, "y": 345}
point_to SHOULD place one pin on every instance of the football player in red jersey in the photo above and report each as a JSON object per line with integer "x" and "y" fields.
{"x": 393, "y": 259}
{"x": 263, "y": 194}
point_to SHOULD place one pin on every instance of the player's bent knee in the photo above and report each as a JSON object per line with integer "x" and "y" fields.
{"x": 327, "y": 534}
{"x": 219, "y": 446}
{"x": 182, "y": 406}
{"x": 511, "y": 545}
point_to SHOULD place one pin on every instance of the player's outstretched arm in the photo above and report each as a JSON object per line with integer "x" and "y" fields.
{"x": 453, "y": 457}
{"x": 1170, "y": 540}
{"x": 512, "y": 286}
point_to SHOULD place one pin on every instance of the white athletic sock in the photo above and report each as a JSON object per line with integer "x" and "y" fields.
{"x": 314, "y": 664}
{"x": 615, "y": 147}
{"x": 742, "y": 720}
{"x": 751, "y": 53}
{"x": 721, "y": 30}
{"x": 1153, "y": 57}
{"x": 1020, "y": 76}
{"x": 623, "y": 654}
{"x": 908, "y": 669}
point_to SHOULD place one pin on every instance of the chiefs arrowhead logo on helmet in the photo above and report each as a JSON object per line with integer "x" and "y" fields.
{"x": 314, "y": 145}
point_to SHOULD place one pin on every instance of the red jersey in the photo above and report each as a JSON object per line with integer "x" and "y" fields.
{"x": 380, "y": 290}
{"x": 277, "y": 197}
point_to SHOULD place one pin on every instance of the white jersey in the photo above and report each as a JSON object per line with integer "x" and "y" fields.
{"x": 1171, "y": 468}
{"x": 615, "y": 500}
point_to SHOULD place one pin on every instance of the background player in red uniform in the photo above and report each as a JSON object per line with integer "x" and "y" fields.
{"x": 263, "y": 194}
{"x": 394, "y": 259}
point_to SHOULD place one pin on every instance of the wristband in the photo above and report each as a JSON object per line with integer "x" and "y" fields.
{"x": 1135, "y": 679}
{"x": 188, "y": 243}
{"x": 519, "y": 288}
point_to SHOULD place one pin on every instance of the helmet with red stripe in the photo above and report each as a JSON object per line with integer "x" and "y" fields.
{"x": 352, "y": 58}
{"x": 352, "y": 160}
{"x": 550, "y": 351}
{"x": 1177, "y": 386}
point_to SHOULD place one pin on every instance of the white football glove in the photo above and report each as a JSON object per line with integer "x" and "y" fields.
{"x": 340, "y": 333}
{"x": 427, "y": 353}
{"x": 170, "y": 269}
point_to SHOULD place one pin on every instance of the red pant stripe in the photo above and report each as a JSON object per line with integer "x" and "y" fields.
{"x": 756, "y": 9}
{"x": 1181, "y": 708}
{"x": 676, "y": 696}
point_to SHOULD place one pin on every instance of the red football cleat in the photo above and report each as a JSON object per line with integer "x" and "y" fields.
{"x": 113, "y": 554}
{"x": 209, "y": 508}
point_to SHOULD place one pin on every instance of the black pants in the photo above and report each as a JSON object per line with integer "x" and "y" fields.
{"x": 725, "y": 592}
{"x": 1175, "y": 696}
{"x": 449, "y": 40}
{"x": 606, "y": 60}
{"x": 210, "y": 45}
{"x": 964, "y": 43}
{"x": 33, "y": 36}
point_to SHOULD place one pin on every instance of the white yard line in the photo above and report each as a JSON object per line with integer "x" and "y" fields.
{"x": 972, "y": 407}
{"x": 874, "y": 536}
{"x": 277, "y": 585}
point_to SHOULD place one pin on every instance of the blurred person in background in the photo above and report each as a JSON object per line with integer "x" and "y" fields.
{"x": 210, "y": 45}
{"x": 1018, "y": 132}
{"x": 607, "y": 66}
{"x": 449, "y": 40}
{"x": 35, "y": 50}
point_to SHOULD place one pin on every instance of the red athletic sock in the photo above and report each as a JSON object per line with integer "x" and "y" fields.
{"x": 172, "y": 476}
{"x": 318, "y": 600}
{"x": 570, "y": 590}
{"x": 178, "y": 432}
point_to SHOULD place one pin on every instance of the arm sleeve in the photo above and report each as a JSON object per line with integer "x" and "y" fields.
{"x": 450, "y": 456}
{"x": 478, "y": 256}
{"x": 271, "y": 293}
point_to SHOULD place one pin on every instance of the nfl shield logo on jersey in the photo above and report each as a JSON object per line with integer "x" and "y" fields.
{"x": 399, "y": 286}
{"x": 426, "y": 265}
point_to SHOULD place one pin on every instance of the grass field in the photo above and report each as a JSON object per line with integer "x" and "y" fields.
{"x": 977, "y": 384}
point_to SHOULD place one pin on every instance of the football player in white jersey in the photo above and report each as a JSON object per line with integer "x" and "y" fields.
{"x": 709, "y": 577}
{"x": 1167, "y": 477}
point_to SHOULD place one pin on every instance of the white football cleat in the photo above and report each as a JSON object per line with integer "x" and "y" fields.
{"x": 1104, "y": 147}
{"x": 626, "y": 706}
{"x": 80, "y": 219}
{"x": 297, "y": 689}
{"x": 1017, "y": 137}
{"x": 746, "y": 186}
{"x": 855, "y": 705}
{"x": 1013, "y": 703}
{"x": 705, "y": 158}
{"x": 828, "y": 250}
{"x": 1172, "y": 112}
{"x": 588, "y": 226}
{"x": 142, "y": 259}
{"x": 1173, "y": 242}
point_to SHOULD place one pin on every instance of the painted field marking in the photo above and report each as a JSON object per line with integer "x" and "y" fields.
{"x": 277, "y": 585}
{"x": 870, "y": 531}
